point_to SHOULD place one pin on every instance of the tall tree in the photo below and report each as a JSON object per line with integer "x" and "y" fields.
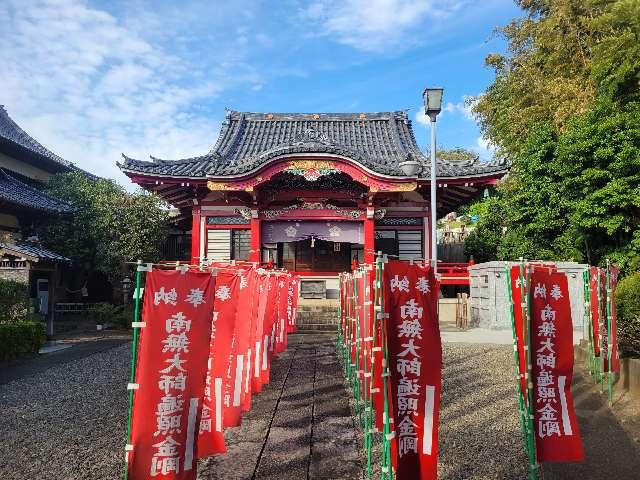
{"x": 564, "y": 109}
{"x": 110, "y": 226}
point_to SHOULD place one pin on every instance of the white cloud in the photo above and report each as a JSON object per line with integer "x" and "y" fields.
{"x": 463, "y": 107}
{"x": 376, "y": 25}
{"x": 89, "y": 88}
{"x": 485, "y": 148}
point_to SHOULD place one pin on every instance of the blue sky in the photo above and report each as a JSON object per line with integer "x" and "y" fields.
{"x": 93, "y": 79}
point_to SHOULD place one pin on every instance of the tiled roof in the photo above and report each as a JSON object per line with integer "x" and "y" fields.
{"x": 14, "y": 191}
{"x": 31, "y": 250}
{"x": 378, "y": 141}
{"x": 10, "y": 132}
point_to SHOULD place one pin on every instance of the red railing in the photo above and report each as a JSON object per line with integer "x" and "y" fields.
{"x": 453, "y": 273}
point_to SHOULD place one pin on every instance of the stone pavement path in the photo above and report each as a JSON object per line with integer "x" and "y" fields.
{"x": 299, "y": 426}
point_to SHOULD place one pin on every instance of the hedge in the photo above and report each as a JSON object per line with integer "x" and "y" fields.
{"x": 15, "y": 303}
{"x": 627, "y": 297}
{"x": 21, "y": 339}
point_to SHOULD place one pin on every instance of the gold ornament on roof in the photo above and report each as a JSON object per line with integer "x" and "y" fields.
{"x": 311, "y": 164}
{"x": 404, "y": 187}
{"x": 217, "y": 186}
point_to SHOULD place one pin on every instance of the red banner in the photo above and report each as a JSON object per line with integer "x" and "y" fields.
{"x": 170, "y": 376}
{"x": 595, "y": 297}
{"x": 613, "y": 320}
{"x": 292, "y": 304}
{"x": 415, "y": 364}
{"x": 269, "y": 328}
{"x": 282, "y": 320}
{"x": 236, "y": 368}
{"x": 517, "y": 288}
{"x": 555, "y": 424}
{"x": 251, "y": 319}
{"x": 261, "y": 345}
{"x": 211, "y": 432}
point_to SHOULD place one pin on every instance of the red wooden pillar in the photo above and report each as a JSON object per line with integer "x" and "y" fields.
{"x": 369, "y": 237}
{"x": 195, "y": 237}
{"x": 256, "y": 237}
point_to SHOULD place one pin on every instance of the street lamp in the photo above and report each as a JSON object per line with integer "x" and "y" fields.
{"x": 432, "y": 106}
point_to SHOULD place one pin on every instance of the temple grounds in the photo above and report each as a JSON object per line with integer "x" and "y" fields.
{"x": 67, "y": 420}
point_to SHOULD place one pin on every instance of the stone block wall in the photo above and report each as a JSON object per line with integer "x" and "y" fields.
{"x": 15, "y": 274}
{"x": 489, "y": 299}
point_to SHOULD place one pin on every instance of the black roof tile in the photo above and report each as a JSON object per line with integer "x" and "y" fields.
{"x": 11, "y": 132}
{"x": 18, "y": 193}
{"x": 378, "y": 141}
{"x": 31, "y": 250}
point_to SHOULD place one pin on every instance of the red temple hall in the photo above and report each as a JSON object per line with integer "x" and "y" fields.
{"x": 311, "y": 192}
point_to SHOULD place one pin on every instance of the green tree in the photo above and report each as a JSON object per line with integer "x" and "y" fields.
{"x": 564, "y": 109}
{"x": 110, "y": 226}
{"x": 457, "y": 154}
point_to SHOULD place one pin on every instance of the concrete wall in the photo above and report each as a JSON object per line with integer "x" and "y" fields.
{"x": 447, "y": 310}
{"x": 489, "y": 302}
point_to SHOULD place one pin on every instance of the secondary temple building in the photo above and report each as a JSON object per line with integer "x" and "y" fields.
{"x": 311, "y": 192}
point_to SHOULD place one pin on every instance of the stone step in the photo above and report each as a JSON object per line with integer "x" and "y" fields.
{"x": 315, "y": 327}
{"x": 306, "y": 317}
{"x": 317, "y": 309}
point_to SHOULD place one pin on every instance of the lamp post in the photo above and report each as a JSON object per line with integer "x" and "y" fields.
{"x": 432, "y": 106}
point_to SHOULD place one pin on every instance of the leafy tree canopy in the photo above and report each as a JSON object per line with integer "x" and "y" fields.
{"x": 456, "y": 154}
{"x": 110, "y": 226}
{"x": 564, "y": 109}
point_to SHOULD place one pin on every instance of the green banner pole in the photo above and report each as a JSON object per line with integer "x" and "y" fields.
{"x": 587, "y": 314}
{"x": 521, "y": 404}
{"x": 526, "y": 337}
{"x": 601, "y": 362}
{"x": 134, "y": 357}
{"x": 387, "y": 473}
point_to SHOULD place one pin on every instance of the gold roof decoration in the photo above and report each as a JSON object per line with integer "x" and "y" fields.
{"x": 217, "y": 186}
{"x": 312, "y": 164}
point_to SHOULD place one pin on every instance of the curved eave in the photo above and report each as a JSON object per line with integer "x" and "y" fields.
{"x": 37, "y": 159}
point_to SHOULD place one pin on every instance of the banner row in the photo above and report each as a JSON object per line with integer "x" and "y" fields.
{"x": 206, "y": 344}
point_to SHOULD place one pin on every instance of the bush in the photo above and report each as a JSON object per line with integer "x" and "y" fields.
{"x": 15, "y": 303}
{"x": 627, "y": 297}
{"x": 21, "y": 339}
{"x": 119, "y": 316}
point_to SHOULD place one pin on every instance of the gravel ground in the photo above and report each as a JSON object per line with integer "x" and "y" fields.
{"x": 68, "y": 422}
{"x": 479, "y": 425}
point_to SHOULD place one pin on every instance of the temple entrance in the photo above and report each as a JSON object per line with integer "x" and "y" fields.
{"x": 315, "y": 255}
{"x": 313, "y": 246}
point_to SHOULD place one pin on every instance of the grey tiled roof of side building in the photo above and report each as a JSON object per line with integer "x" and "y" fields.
{"x": 378, "y": 141}
{"x": 14, "y": 191}
{"x": 11, "y": 131}
{"x": 32, "y": 250}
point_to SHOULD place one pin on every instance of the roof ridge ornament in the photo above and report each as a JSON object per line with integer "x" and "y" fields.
{"x": 311, "y": 135}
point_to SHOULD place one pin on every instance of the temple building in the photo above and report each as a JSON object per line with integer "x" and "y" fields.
{"x": 311, "y": 192}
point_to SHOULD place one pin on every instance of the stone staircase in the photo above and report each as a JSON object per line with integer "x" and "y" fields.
{"x": 317, "y": 316}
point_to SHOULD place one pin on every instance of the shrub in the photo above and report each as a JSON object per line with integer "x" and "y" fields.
{"x": 14, "y": 301}
{"x": 627, "y": 297}
{"x": 106, "y": 313}
{"x": 21, "y": 339}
